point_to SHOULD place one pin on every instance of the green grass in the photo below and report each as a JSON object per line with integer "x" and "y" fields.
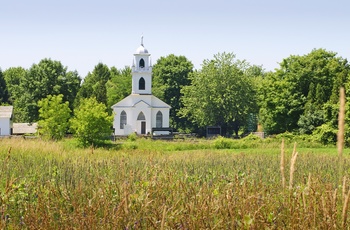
{"x": 184, "y": 184}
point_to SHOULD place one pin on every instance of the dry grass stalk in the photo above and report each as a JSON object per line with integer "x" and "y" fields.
{"x": 345, "y": 210}
{"x": 126, "y": 199}
{"x": 282, "y": 165}
{"x": 292, "y": 166}
{"x": 163, "y": 218}
{"x": 341, "y": 132}
{"x": 304, "y": 201}
{"x": 8, "y": 156}
{"x": 309, "y": 182}
{"x": 341, "y": 123}
{"x": 334, "y": 208}
{"x": 344, "y": 188}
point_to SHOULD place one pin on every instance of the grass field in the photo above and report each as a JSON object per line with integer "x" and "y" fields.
{"x": 187, "y": 184}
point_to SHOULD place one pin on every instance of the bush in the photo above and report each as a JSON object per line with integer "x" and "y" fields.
{"x": 325, "y": 134}
{"x": 222, "y": 143}
{"x": 132, "y": 137}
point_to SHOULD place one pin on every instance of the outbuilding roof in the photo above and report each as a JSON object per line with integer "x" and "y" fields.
{"x": 6, "y": 111}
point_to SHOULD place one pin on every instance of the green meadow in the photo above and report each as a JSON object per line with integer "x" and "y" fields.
{"x": 182, "y": 184}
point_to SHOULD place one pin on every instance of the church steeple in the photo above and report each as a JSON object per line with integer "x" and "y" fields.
{"x": 141, "y": 71}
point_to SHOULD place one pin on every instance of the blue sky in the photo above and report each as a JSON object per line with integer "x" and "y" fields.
{"x": 81, "y": 34}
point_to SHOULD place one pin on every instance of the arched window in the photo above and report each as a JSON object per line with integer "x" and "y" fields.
{"x": 159, "y": 120}
{"x": 141, "y": 117}
{"x": 142, "y": 63}
{"x": 123, "y": 119}
{"x": 142, "y": 84}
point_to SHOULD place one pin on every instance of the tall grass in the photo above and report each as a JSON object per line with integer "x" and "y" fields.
{"x": 48, "y": 185}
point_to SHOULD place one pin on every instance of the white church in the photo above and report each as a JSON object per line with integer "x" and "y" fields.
{"x": 140, "y": 111}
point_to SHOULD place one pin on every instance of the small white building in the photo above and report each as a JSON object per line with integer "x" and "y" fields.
{"x": 5, "y": 120}
{"x": 140, "y": 111}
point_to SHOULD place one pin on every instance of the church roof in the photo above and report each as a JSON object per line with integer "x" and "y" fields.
{"x": 141, "y": 50}
{"x": 134, "y": 99}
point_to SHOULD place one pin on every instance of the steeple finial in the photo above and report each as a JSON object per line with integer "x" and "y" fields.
{"x": 142, "y": 40}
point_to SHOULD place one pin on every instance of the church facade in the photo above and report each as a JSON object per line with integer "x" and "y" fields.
{"x": 140, "y": 111}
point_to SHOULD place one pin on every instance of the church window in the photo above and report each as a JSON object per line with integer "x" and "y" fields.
{"x": 159, "y": 120}
{"x": 142, "y": 84}
{"x": 142, "y": 63}
{"x": 141, "y": 117}
{"x": 123, "y": 119}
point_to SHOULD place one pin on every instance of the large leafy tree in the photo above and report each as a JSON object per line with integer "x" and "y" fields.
{"x": 54, "y": 115}
{"x": 221, "y": 93}
{"x": 48, "y": 77}
{"x": 300, "y": 95}
{"x": 119, "y": 86}
{"x": 94, "y": 84}
{"x": 170, "y": 75}
{"x": 19, "y": 97}
{"x": 91, "y": 123}
{"x": 3, "y": 89}
{"x": 14, "y": 76}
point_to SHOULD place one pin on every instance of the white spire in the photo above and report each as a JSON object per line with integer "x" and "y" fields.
{"x": 142, "y": 40}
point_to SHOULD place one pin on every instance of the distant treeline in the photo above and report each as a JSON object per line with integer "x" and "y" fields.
{"x": 301, "y": 96}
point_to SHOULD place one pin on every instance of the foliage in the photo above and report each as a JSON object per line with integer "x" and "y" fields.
{"x": 309, "y": 121}
{"x": 119, "y": 86}
{"x": 18, "y": 96}
{"x": 302, "y": 87}
{"x": 54, "y": 115}
{"x": 325, "y": 134}
{"x": 27, "y": 87}
{"x": 132, "y": 137}
{"x": 137, "y": 189}
{"x": 91, "y": 123}
{"x": 94, "y": 85}
{"x": 222, "y": 143}
{"x": 220, "y": 94}
{"x": 14, "y": 76}
{"x": 3, "y": 89}
{"x": 170, "y": 75}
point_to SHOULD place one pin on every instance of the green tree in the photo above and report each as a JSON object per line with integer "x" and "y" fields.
{"x": 302, "y": 81}
{"x": 94, "y": 84}
{"x": 3, "y": 90}
{"x": 14, "y": 76}
{"x": 54, "y": 115}
{"x": 119, "y": 86}
{"x": 220, "y": 94}
{"x": 170, "y": 75}
{"x": 91, "y": 123}
{"x": 48, "y": 77}
{"x": 69, "y": 86}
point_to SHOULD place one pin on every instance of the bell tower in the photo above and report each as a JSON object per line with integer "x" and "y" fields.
{"x": 141, "y": 71}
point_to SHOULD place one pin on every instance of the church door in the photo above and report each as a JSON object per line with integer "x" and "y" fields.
{"x": 143, "y": 127}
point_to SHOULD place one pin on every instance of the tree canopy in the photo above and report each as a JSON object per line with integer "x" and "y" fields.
{"x": 170, "y": 75}
{"x": 27, "y": 87}
{"x": 54, "y": 115}
{"x": 94, "y": 84}
{"x": 4, "y": 96}
{"x": 119, "y": 86}
{"x": 221, "y": 93}
{"x": 298, "y": 96}
{"x": 91, "y": 123}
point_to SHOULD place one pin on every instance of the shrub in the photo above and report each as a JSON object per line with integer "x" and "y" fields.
{"x": 325, "y": 134}
{"x": 132, "y": 137}
{"x": 222, "y": 143}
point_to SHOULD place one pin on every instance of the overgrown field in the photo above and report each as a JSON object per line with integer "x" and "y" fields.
{"x": 190, "y": 184}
